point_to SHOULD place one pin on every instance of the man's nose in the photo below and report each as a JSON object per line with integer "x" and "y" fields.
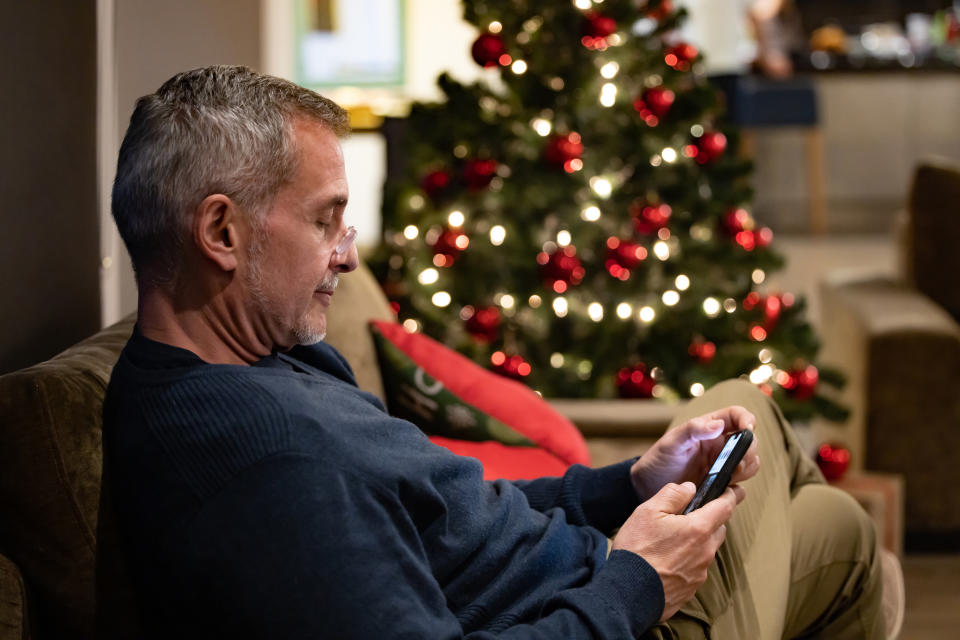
{"x": 346, "y": 261}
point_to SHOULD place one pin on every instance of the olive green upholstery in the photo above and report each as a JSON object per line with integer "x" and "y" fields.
{"x": 13, "y": 602}
{"x": 50, "y": 462}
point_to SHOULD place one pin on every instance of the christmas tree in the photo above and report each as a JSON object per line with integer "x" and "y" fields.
{"x": 583, "y": 223}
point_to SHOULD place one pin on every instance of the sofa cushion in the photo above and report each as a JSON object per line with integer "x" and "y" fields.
{"x": 50, "y": 459}
{"x": 357, "y": 300}
{"x": 447, "y": 395}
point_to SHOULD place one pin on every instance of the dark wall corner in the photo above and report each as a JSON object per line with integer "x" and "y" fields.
{"x": 49, "y": 238}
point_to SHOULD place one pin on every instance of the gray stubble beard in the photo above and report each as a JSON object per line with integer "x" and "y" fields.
{"x": 305, "y": 334}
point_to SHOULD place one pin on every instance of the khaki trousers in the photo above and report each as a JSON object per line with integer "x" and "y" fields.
{"x": 800, "y": 558}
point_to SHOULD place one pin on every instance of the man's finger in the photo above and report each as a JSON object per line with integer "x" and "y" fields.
{"x": 718, "y": 536}
{"x": 705, "y": 428}
{"x": 672, "y": 498}
{"x": 718, "y": 511}
{"x": 750, "y": 464}
{"x": 736, "y": 418}
{"x": 738, "y": 492}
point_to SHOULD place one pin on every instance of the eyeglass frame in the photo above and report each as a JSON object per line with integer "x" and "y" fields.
{"x": 349, "y": 236}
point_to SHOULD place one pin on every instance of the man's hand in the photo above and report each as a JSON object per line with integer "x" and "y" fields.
{"x": 680, "y": 548}
{"x": 685, "y": 454}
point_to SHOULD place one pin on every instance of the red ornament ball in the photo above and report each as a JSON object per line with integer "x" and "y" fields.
{"x": 649, "y": 218}
{"x": 681, "y": 56}
{"x": 711, "y": 146}
{"x": 833, "y": 460}
{"x": 488, "y": 49}
{"x": 596, "y": 25}
{"x": 750, "y": 240}
{"x": 563, "y": 149}
{"x": 635, "y": 382}
{"x": 435, "y": 183}
{"x": 479, "y": 172}
{"x": 737, "y": 220}
{"x": 662, "y": 10}
{"x": 771, "y": 305}
{"x": 622, "y": 257}
{"x": 763, "y": 237}
{"x": 513, "y": 366}
{"x": 801, "y": 383}
{"x": 448, "y": 246}
{"x": 746, "y": 239}
{"x": 703, "y": 350}
{"x": 484, "y": 323}
{"x": 658, "y": 100}
{"x": 561, "y": 269}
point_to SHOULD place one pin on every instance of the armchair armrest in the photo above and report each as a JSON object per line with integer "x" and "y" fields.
{"x": 617, "y": 418}
{"x": 617, "y": 429}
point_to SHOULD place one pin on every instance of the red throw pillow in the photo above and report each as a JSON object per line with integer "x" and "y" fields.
{"x": 503, "y": 461}
{"x": 450, "y": 396}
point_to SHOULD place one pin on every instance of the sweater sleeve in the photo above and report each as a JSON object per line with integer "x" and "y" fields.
{"x": 313, "y": 553}
{"x": 602, "y": 498}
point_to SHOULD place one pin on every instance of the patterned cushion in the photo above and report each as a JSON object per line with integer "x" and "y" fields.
{"x": 447, "y": 395}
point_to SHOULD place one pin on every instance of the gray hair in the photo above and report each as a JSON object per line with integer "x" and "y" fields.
{"x": 220, "y": 129}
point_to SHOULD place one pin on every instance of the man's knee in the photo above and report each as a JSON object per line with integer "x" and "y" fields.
{"x": 833, "y": 518}
{"x": 737, "y": 391}
{"x": 743, "y": 393}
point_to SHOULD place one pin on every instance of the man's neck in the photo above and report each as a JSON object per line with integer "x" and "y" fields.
{"x": 208, "y": 331}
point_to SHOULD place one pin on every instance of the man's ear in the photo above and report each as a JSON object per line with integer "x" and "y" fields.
{"x": 216, "y": 231}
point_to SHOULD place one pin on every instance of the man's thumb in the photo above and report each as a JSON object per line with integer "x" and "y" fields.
{"x": 672, "y": 498}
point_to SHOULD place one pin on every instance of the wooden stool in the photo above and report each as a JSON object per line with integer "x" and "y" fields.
{"x": 881, "y": 496}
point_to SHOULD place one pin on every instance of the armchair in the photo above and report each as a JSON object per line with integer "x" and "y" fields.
{"x": 898, "y": 341}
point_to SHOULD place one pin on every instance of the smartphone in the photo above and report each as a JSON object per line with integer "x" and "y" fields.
{"x": 722, "y": 470}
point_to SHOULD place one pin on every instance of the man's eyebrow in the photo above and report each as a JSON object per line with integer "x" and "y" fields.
{"x": 334, "y": 201}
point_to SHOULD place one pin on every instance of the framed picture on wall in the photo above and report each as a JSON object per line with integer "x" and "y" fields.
{"x": 358, "y": 43}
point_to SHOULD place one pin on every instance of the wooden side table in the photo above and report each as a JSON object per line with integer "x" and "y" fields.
{"x": 881, "y": 496}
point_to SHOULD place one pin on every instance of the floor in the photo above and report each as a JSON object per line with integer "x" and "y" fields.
{"x": 932, "y": 581}
{"x": 933, "y": 597}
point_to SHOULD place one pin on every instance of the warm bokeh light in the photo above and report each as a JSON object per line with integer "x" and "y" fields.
{"x": 456, "y": 219}
{"x": 428, "y": 276}
{"x": 560, "y": 306}
{"x": 711, "y": 307}
{"x": 595, "y": 311}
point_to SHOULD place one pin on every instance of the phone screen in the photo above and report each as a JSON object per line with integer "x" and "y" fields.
{"x": 725, "y": 453}
{"x": 713, "y": 485}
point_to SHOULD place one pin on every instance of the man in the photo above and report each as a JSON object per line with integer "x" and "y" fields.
{"x": 262, "y": 494}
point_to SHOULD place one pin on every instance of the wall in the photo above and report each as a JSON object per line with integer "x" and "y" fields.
{"x": 876, "y": 128}
{"x": 151, "y": 42}
{"x": 437, "y": 39}
{"x": 49, "y": 250}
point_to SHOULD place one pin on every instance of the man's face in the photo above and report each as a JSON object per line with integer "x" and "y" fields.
{"x": 293, "y": 266}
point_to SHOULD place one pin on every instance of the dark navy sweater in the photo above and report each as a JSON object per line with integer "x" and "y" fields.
{"x": 281, "y": 501}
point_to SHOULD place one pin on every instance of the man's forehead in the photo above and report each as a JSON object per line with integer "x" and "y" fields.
{"x": 319, "y": 154}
